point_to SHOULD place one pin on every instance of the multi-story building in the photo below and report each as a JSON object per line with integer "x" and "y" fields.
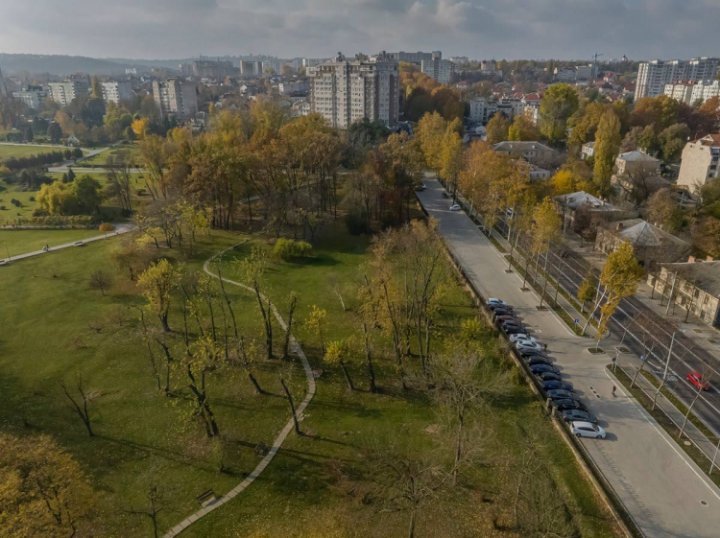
{"x": 681, "y": 91}
{"x": 438, "y": 69}
{"x": 704, "y": 90}
{"x": 481, "y": 110}
{"x": 116, "y": 91}
{"x": 65, "y": 92}
{"x": 416, "y": 58}
{"x": 32, "y": 96}
{"x": 3, "y": 87}
{"x": 175, "y": 98}
{"x": 251, "y": 68}
{"x": 210, "y": 69}
{"x": 345, "y": 91}
{"x": 653, "y": 76}
{"x": 700, "y": 163}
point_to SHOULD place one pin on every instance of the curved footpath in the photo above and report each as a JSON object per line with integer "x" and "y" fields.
{"x": 279, "y": 440}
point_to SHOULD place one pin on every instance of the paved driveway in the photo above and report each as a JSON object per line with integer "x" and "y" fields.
{"x": 665, "y": 492}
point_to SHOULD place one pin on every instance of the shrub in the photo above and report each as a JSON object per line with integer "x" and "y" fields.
{"x": 106, "y": 227}
{"x": 288, "y": 249}
{"x": 357, "y": 224}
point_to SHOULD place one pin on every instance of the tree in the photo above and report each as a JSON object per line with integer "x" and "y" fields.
{"x": 202, "y": 358}
{"x": 139, "y": 127}
{"x": 315, "y": 323}
{"x": 158, "y": 282}
{"x": 80, "y": 406}
{"x": 100, "y": 280}
{"x": 618, "y": 279}
{"x": 431, "y": 130}
{"x": 672, "y": 140}
{"x": 54, "y": 132}
{"x": 497, "y": 129}
{"x": 44, "y": 491}
{"x": 523, "y": 129}
{"x": 607, "y": 144}
{"x": 252, "y": 268}
{"x": 451, "y": 155}
{"x": 584, "y": 123}
{"x": 706, "y": 235}
{"x": 663, "y": 210}
{"x": 558, "y": 103}
{"x": 546, "y": 229}
{"x": 336, "y": 354}
{"x": 586, "y": 290}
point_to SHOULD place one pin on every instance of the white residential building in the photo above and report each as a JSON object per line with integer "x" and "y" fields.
{"x": 681, "y": 91}
{"x": 32, "y": 96}
{"x": 438, "y": 69}
{"x": 700, "y": 163}
{"x": 653, "y": 76}
{"x": 64, "y": 93}
{"x": 704, "y": 90}
{"x": 480, "y": 110}
{"x": 116, "y": 91}
{"x": 345, "y": 91}
{"x": 175, "y": 98}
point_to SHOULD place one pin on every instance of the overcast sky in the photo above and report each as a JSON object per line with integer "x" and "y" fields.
{"x": 289, "y": 28}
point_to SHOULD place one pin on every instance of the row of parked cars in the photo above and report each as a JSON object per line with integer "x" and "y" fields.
{"x": 534, "y": 353}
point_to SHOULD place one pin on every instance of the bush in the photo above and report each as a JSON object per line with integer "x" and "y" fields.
{"x": 288, "y": 249}
{"x": 106, "y": 227}
{"x": 357, "y": 224}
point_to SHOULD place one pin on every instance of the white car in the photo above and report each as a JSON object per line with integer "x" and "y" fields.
{"x": 587, "y": 429}
{"x": 529, "y": 345}
{"x": 522, "y": 337}
{"x": 455, "y": 207}
{"x": 495, "y": 300}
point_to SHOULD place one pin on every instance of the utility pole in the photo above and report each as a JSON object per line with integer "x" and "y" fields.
{"x": 667, "y": 365}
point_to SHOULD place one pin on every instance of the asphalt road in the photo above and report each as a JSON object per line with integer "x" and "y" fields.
{"x": 646, "y": 333}
{"x": 666, "y": 493}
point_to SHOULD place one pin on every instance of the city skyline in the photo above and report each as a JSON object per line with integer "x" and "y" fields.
{"x": 501, "y": 29}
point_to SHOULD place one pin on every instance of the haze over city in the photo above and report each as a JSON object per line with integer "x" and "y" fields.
{"x": 640, "y": 29}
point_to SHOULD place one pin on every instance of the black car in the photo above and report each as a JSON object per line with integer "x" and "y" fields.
{"x": 549, "y": 376}
{"x": 526, "y": 353}
{"x": 569, "y": 403}
{"x": 553, "y": 384}
{"x": 541, "y": 368}
{"x": 539, "y": 360}
{"x": 503, "y": 312}
{"x": 512, "y": 329}
{"x": 569, "y": 415}
{"x": 505, "y": 318}
{"x": 500, "y": 306}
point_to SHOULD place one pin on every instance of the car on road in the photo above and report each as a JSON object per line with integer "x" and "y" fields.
{"x": 455, "y": 207}
{"x": 587, "y": 429}
{"x": 559, "y": 394}
{"x": 542, "y": 368}
{"x": 419, "y": 188}
{"x": 697, "y": 380}
{"x": 569, "y": 403}
{"x": 549, "y": 376}
{"x": 554, "y": 384}
{"x": 79, "y": 243}
{"x": 570, "y": 415}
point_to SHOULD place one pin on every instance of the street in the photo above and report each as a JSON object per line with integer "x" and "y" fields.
{"x": 666, "y": 493}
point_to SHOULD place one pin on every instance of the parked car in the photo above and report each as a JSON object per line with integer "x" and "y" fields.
{"x": 697, "y": 380}
{"x": 502, "y": 311}
{"x": 569, "y": 403}
{"x": 559, "y": 394}
{"x": 523, "y": 337}
{"x": 511, "y": 328}
{"x": 541, "y": 368}
{"x": 499, "y": 320}
{"x": 527, "y": 345}
{"x": 570, "y": 415}
{"x": 420, "y": 187}
{"x": 539, "y": 360}
{"x": 455, "y": 207}
{"x": 556, "y": 384}
{"x": 549, "y": 376}
{"x": 529, "y": 353}
{"x": 499, "y": 305}
{"x": 587, "y": 429}
{"x": 494, "y": 300}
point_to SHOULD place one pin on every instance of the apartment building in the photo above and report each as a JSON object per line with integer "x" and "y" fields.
{"x": 699, "y": 163}
{"x": 416, "y": 58}
{"x": 680, "y": 91}
{"x": 704, "y": 90}
{"x": 32, "y": 96}
{"x": 345, "y": 91}
{"x": 116, "y": 91}
{"x": 65, "y": 92}
{"x": 653, "y": 76}
{"x": 438, "y": 69}
{"x": 3, "y": 86}
{"x": 176, "y": 98}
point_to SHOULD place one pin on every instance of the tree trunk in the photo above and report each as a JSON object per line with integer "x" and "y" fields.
{"x": 348, "y": 380}
{"x": 292, "y": 406}
{"x": 288, "y": 333}
{"x": 254, "y": 381}
{"x": 458, "y": 446}
{"x": 368, "y": 359}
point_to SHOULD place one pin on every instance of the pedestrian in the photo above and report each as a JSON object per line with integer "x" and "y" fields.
{"x": 613, "y": 390}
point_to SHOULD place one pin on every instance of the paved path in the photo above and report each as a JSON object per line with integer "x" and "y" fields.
{"x": 664, "y": 491}
{"x": 277, "y": 443}
{"x": 119, "y": 230}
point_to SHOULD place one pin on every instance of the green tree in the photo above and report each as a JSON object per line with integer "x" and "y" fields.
{"x": 497, "y": 129}
{"x": 158, "y": 282}
{"x": 337, "y": 353}
{"x": 586, "y": 291}
{"x": 523, "y": 129}
{"x": 559, "y": 102}
{"x": 607, "y": 145}
{"x": 545, "y": 230}
{"x": 672, "y": 140}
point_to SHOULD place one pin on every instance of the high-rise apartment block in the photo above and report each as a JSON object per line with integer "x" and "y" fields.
{"x": 65, "y": 92}
{"x": 32, "y": 96}
{"x": 116, "y": 91}
{"x": 345, "y": 91}
{"x": 700, "y": 163}
{"x": 175, "y": 98}
{"x": 653, "y": 76}
{"x": 438, "y": 69}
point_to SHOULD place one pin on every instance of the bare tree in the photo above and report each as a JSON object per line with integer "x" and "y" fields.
{"x": 100, "y": 280}
{"x": 80, "y": 405}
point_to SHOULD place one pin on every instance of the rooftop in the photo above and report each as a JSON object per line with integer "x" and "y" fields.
{"x": 521, "y": 145}
{"x": 636, "y": 155}
{"x": 705, "y": 275}
{"x": 712, "y": 140}
{"x": 574, "y": 200}
{"x": 640, "y": 233}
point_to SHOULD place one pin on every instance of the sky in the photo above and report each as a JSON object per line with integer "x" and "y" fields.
{"x": 565, "y": 29}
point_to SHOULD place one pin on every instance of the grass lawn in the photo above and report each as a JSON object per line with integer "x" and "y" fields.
{"x": 56, "y": 328}
{"x": 25, "y": 150}
{"x": 101, "y": 159}
{"x": 13, "y": 242}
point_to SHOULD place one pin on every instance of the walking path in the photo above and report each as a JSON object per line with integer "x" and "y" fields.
{"x": 279, "y": 440}
{"x": 119, "y": 229}
{"x": 665, "y": 493}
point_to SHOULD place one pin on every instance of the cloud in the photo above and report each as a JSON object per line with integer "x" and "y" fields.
{"x": 288, "y": 28}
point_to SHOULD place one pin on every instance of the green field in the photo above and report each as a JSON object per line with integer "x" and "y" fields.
{"x": 57, "y": 328}
{"x": 14, "y": 242}
{"x": 101, "y": 159}
{"x": 26, "y": 150}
